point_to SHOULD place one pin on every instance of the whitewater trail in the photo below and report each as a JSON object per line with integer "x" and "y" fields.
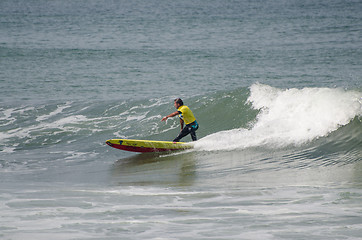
{"x": 289, "y": 117}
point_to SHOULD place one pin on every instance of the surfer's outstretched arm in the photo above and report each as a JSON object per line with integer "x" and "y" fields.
{"x": 170, "y": 115}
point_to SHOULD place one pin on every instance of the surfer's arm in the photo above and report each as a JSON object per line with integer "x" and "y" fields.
{"x": 170, "y": 115}
{"x": 181, "y": 123}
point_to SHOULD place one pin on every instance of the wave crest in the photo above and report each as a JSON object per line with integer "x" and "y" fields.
{"x": 289, "y": 117}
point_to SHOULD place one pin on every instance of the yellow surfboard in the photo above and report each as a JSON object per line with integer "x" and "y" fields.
{"x": 147, "y": 145}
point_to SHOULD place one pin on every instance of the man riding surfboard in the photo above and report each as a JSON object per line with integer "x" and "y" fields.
{"x": 187, "y": 117}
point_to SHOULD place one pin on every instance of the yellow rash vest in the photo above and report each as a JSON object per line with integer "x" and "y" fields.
{"x": 186, "y": 114}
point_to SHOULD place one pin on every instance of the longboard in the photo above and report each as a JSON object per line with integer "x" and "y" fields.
{"x": 147, "y": 145}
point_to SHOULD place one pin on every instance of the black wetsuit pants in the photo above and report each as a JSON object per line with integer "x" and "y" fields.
{"x": 188, "y": 129}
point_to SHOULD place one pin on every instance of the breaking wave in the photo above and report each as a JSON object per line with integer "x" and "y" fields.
{"x": 290, "y": 117}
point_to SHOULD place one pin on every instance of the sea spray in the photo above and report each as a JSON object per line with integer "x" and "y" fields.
{"x": 289, "y": 117}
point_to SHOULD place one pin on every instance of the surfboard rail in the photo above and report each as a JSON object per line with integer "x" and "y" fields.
{"x": 143, "y": 146}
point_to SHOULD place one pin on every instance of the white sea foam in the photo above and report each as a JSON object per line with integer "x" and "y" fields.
{"x": 8, "y": 150}
{"x": 289, "y": 117}
{"x": 64, "y": 124}
{"x": 7, "y": 115}
{"x": 59, "y": 109}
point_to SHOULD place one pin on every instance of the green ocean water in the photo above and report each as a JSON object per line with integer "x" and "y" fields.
{"x": 275, "y": 86}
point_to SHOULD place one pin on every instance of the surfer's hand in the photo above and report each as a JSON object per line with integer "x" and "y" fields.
{"x": 164, "y": 119}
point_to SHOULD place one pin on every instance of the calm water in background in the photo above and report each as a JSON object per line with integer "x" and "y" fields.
{"x": 275, "y": 86}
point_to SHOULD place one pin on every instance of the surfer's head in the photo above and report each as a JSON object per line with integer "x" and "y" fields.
{"x": 178, "y": 102}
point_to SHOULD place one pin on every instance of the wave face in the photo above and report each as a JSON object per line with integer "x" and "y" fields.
{"x": 312, "y": 126}
{"x": 290, "y": 117}
{"x": 258, "y": 116}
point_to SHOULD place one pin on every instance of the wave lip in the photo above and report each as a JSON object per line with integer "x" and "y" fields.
{"x": 289, "y": 117}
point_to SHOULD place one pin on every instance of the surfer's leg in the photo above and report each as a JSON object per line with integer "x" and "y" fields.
{"x": 190, "y": 128}
{"x": 193, "y": 129}
{"x": 193, "y": 135}
{"x": 185, "y": 131}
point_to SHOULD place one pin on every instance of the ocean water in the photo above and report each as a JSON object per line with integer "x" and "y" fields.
{"x": 276, "y": 87}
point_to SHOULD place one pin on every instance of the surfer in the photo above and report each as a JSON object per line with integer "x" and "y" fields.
{"x": 187, "y": 117}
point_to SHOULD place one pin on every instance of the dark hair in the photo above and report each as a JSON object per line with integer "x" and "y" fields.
{"x": 179, "y": 101}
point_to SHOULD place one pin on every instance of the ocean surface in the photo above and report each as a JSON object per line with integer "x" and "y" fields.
{"x": 276, "y": 87}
